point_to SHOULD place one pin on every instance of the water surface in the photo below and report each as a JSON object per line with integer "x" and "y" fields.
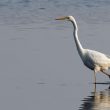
{"x": 40, "y": 68}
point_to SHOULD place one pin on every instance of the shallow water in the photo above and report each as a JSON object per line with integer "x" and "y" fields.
{"x": 98, "y": 100}
{"x": 39, "y": 64}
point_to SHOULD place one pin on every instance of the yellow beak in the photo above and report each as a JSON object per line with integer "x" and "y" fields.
{"x": 61, "y": 18}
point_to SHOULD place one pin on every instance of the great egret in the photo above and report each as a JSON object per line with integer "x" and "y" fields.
{"x": 94, "y": 60}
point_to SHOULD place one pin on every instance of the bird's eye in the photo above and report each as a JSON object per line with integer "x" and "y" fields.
{"x": 67, "y": 17}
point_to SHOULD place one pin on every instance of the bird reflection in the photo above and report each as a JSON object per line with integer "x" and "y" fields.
{"x": 99, "y": 100}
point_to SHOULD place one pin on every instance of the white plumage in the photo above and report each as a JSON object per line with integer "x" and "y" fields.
{"x": 94, "y": 60}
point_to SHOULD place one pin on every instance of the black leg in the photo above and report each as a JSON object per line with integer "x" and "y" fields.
{"x": 94, "y": 77}
{"x": 105, "y": 73}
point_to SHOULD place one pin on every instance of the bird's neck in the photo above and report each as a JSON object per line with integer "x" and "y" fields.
{"x": 77, "y": 42}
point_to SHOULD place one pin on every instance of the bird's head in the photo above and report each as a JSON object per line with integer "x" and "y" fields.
{"x": 68, "y": 18}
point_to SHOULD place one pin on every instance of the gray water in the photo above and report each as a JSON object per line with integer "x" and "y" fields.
{"x": 40, "y": 68}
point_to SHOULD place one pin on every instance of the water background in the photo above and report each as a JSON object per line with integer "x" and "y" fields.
{"x": 40, "y": 68}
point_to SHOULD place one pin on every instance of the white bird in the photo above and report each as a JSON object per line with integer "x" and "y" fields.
{"x": 94, "y": 60}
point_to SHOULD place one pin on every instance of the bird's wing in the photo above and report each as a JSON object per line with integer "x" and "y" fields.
{"x": 96, "y": 57}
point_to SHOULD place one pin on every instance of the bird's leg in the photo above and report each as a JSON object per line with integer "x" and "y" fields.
{"x": 105, "y": 73}
{"x": 94, "y": 77}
